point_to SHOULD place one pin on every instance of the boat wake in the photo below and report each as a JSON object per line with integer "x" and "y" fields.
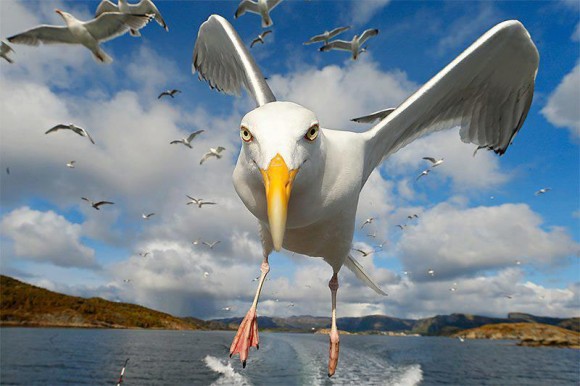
{"x": 228, "y": 374}
{"x": 412, "y": 376}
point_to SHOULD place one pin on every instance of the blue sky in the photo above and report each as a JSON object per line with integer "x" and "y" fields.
{"x": 477, "y": 215}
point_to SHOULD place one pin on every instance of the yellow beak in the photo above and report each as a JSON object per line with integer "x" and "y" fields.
{"x": 278, "y": 183}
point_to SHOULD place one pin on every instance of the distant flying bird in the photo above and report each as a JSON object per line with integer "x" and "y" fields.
{"x": 212, "y": 153}
{"x": 401, "y": 226}
{"x": 196, "y": 242}
{"x": 71, "y": 126}
{"x": 144, "y": 7}
{"x": 227, "y": 308}
{"x": 170, "y": 93}
{"x": 260, "y": 38}
{"x": 364, "y": 253}
{"x": 8, "y": 171}
{"x": 5, "y": 49}
{"x": 205, "y": 275}
{"x": 97, "y": 204}
{"x": 212, "y": 244}
{"x": 381, "y": 245}
{"x": 291, "y": 305}
{"x": 71, "y": 164}
{"x": 187, "y": 141}
{"x": 372, "y": 235}
{"x": 146, "y": 216}
{"x": 410, "y": 217}
{"x": 542, "y": 191}
{"x": 518, "y": 262}
{"x": 303, "y": 182}
{"x": 434, "y": 162}
{"x": 89, "y": 33}
{"x": 127, "y": 280}
{"x": 353, "y": 46}
{"x": 508, "y": 296}
{"x": 367, "y": 221}
{"x": 452, "y": 289}
{"x": 199, "y": 201}
{"x": 423, "y": 173}
{"x": 259, "y": 7}
{"x": 327, "y": 35}
{"x": 144, "y": 254}
{"x": 372, "y": 117}
{"x": 431, "y": 272}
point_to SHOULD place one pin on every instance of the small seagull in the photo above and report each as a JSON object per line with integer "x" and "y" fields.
{"x": 402, "y": 227}
{"x": 291, "y": 305}
{"x": 260, "y": 38}
{"x": 508, "y": 296}
{"x": 260, "y": 7}
{"x": 71, "y": 126}
{"x": 354, "y": 45}
{"x": 423, "y": 173}
{"x": 434, "y": 162}
{"x": 8, "y": 171}
{"x": 372, "y": 235}
{"x": 542, "y": 191}
{"x": 410, "y": 217}
{"x": 212, "y": 153}
{"x": 146, "y": 216}
{"x": 367, "y": 221}
{"x": 461, "y": 339}
{"x": 205, "y": 275}
{"x": 170, "y": 93}
{"x": 4, "y": 50}
{"x": 71, "y": 164}
{"x": 227, "y": 308}
{"x": 187, "y": 141}
{"x": 406, "y": 273}
{"x": 381, "y": 245}
{"x": 327, "y": 35}
{"x": 97, "y": 204}
{"x": 199, "y": 201}
{"x": 211, "y": 245}
{"x": 431, "y": 272}
{"x": 364, "y": 253}
{"x": 127, "y": 280}
{"x": 518, "y": 262}
{"x": 372, "y": 117}
{"x": 144, "y": 254}
{"x": 196, "y": 242}
{"x": 452, "y": 289}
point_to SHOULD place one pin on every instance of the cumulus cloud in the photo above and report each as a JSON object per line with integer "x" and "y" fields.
{"x": 46, "y": 237}
{"x": 561, "y": 110}
{"x": 361, "y": 12}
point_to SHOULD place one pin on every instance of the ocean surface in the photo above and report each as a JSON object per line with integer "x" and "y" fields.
{"x": 43, "y": 356}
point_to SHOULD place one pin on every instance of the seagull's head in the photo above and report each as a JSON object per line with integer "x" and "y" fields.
{"x": 65, "y": 15}
{"x": 282, "y": 150}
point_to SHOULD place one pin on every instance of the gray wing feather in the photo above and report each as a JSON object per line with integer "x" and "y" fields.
{"x": 337, "y": 31}
{"x": 486, "y": 91}
{"x": 225, "y": 63}
{"x": 368, "y": 34}
{"x": 47, "y": 34}
{"x": 55, "y": 128}
{"x": 373, "y": 116}
{"x": 106, "y": 6}
{"x": 337, "y": 45}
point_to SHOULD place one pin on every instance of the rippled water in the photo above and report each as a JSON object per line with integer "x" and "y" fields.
{"x": 95, "y": 357}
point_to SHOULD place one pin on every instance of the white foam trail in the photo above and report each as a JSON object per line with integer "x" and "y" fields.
{"x": 412, "y": 376}
{"x": 229, "y": 375}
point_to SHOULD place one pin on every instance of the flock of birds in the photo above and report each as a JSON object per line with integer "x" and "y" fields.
{"x": 487, "y": 90}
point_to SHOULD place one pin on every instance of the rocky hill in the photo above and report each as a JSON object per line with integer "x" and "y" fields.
{"x": 23, "y": 304}
{"x": 529, "y": 334}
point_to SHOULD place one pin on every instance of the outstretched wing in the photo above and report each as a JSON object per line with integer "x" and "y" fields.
{"x": 146, "y": 7}
{"x": 193, "y": 135}
{"x": 225, "y": 63}
{"x": 46, "y": 34}
{"x": 487, "y": 91}
{"x": 369, "y": 33}
{"x": 315, "y": 39}
{"x": 205, "y": 157}
{"x": 337, "y": 31}
{"x": 246, "y": 6}
{"x": 373, "y": 116}
{"x": 106, "y": 6}
{"x": 359, "y": 272}
{"x": 337, "y": 45}
{"x": 57, "y": 127}
{"x": 112, "y": 24}
{"x": 104, "y": 203}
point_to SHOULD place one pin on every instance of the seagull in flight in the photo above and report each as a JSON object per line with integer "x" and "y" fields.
{"x": 367, "y": 221}
{"x": 199, "y": 201}
{"x": 227, "y": 308}
{"x": 144, "y": 254}
{"x": 205, "y": 275}
{"x": 5, "y": 49}
{"x": 423, "y": 173}
{"x": 87, "y": 33}
{"x": 187, "y": 141}
{"x": 170, "y": 93}
{"x": 144, "y": 7}
{"x": 259, "y": 7}
{"x": 97, "y": 204}
{"x": 431, "y": 272}
{"x": 542, "y": 191}
{"x": 410, "y": 217}
{"x": 71, "y": 126}
{"x": 374, "y": 117}
{"x": 372, "y": 235}
{"x": 353, "y": 46}
{"x": 402, "y": 226}
{"x": 71, "y": 164}
{"x": 260, "y": 38}
{"x": 212, "y": 244}
{"x": 212, "y": 153}
{"x": 290, "y": 172}
{"x": 434, "y": 162}
{"x": 147, "y": 216}
{"x": 327, "y": 35}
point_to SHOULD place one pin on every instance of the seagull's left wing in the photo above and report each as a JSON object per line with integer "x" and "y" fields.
{"x": 487, "y": 91}
{"x": 225, "y": 63}
{"x": 369, "y": 33}
{"x": 337, "y": 45}
{"x": 112, "y": 24}
{"x": 194, "y": 134}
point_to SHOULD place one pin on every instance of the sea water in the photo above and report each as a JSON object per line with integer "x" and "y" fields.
{"x": 43, "y": 356}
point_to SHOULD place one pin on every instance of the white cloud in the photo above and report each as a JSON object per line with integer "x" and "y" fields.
{"x": 361, "y": 12}
{"x": 562, "y": 110}
{"x": 46, "y": 237}
{"x": 457, "y": 241}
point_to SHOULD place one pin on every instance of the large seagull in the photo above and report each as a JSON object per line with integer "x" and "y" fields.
{"x": 302, "y": 182}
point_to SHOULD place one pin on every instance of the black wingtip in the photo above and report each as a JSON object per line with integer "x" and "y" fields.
{"x": 244, "y": 364}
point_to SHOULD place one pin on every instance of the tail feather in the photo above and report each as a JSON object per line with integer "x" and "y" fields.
{"x": 359, "y": 272}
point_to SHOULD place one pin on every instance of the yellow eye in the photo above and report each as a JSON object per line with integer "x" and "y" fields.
{"x": 246, "y": 135}
{"x": 312, "y": 133}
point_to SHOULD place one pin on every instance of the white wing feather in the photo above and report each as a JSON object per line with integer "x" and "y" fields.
{"x": 359, "y": 272}
{"x": 46, "y": 34}
{"x": 112, "y": 24}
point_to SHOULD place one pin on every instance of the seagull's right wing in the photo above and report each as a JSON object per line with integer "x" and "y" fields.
{"x": 225, "y": 63}
{"x": 487, "y": 91}
{"x": 368, "y": 34}
{"x": 315, "y": 39}
{"x": 112, "y": 24}
{"x": 337, "y": 31}
{"x": 373, "y": 116}
{"x": 246, "y": 6}
{"x": 106, "y": 6}
{"x": 55, "y": 128}
{"x": 89, "y": 136}
{"x": 193, "y": 135}
{"x": 430, "y": 159}
{"x": 337, "y": 45}
{"x": 47, "y": 34}
{"x": 205, "y": 157}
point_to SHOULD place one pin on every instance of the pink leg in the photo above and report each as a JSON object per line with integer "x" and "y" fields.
{"x": 247, "y": 335}
{"x": 334, "y": 340}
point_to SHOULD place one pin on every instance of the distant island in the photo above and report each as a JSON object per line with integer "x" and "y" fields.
{"x": 25, "y": 305}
